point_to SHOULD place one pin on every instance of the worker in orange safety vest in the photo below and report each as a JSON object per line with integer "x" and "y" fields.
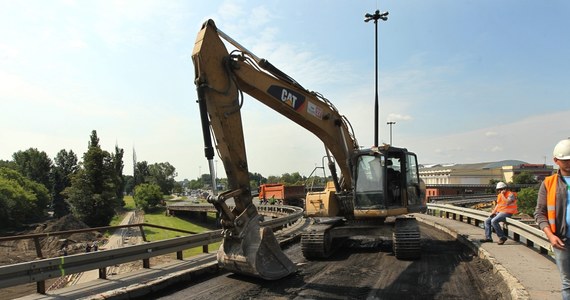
{"x": 505, "y": 208}
{"x": 552, "y": 215}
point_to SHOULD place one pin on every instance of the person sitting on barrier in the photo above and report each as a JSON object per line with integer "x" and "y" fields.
{"x": 506, "y": 207}
{"x": 551, "y": 213}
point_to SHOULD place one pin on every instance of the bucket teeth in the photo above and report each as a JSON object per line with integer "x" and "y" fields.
{"x": 255, "y": 253}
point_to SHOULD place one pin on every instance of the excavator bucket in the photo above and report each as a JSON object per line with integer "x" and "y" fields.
{"x": 255, "y": 252}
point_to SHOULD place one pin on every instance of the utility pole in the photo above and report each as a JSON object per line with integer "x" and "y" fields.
{"x": 391, "y": 123}
{"x": 383, "y": 16}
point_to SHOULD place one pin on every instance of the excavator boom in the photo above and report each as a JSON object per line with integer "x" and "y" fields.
{"x": 247, "y": 248}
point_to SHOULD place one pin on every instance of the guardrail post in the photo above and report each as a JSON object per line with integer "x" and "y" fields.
{"x": 142, "y": 233}
{"x": 146, "y": 263}
{"x": 179, "y": 255}
{"x": 103, "y": 273}
{"x": 41, "y": 287}
{"x": 205, "y": 248}
{"x": 516, "y": 237}
{"x": 38, "y": 247}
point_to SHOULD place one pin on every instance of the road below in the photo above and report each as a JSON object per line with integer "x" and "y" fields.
{"x": 363, "y": 270}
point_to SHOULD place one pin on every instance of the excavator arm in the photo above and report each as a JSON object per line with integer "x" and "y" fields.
{"x": 221, "y": 79}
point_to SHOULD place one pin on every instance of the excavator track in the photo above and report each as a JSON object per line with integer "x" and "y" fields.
{"x": 406, "y": 239}
{"x": 316, "y": 242}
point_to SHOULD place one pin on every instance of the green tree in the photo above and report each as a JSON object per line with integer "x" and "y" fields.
{"x": 524, "y": 177}
{"x": 92, "y": 194}
{"x": 527, "y": 200}
{"x": 163, "y": 174}
{"x": 35, "y": 165}
{"x": 195, "y": 184}
{"x": 206, "y": 180}
{"x": 147, "y": 196}
{"x": 292, "y": 179}
{"x": 258, "y": 178}
{"x": 129, "y": 184}
{"x": 65, "y": 165}
{"x": 142, "y": 173}
{"x": 118, "y": 179}
{"x": 273, "y": 179}
{"x": 8, "y": 164}
{"x": 177, "y": 189}
{"x": 21, "y": 199}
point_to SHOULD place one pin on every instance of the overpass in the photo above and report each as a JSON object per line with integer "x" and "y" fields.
{"x": 526, "y": 250}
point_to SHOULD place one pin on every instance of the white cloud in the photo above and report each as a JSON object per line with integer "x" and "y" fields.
{"x": 529, "y": 139}
{"x": 398, "y": 117}
{"x": 77, "y": 44}
{"x": 496, "y": 149}
{"x": 8, "y": 53}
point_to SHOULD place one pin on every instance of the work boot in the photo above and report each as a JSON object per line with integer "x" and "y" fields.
{"x": 486, "y": 240}
{"x": 502, "y": 240}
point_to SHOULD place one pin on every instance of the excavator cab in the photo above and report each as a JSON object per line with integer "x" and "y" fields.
{"x": 386, "y": 183}
{"x": 393, "y": 175}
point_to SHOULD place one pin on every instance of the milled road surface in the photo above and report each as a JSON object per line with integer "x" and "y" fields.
{"x": 447, "y": 270}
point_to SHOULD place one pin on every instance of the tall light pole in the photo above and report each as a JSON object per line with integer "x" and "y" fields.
{"x": 367, "y": 17}
{"x": 390, "y": 123}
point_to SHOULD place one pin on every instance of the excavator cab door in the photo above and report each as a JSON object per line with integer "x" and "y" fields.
{"x": 370, "y": 182}
{"x": 415, "y": 188}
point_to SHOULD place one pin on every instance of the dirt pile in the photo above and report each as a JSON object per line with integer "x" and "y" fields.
{"x": 12, "y": 252}
{"x": 75, "y": 242}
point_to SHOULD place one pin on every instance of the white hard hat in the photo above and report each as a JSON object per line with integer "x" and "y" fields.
{"x": 501, "y": 185}
{"x": 562, "y": 150}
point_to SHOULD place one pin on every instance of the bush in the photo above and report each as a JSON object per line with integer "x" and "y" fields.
{"x": 147, "y": 196}
{"x": 527, "y": 200}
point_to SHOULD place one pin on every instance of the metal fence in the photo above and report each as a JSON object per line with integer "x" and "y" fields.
{"x": 517, "y": 230}
{"x": 39, "y": 270}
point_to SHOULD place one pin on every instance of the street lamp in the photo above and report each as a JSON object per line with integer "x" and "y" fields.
{"x": 390, "y": 123}
{"x": 367, "y": 17}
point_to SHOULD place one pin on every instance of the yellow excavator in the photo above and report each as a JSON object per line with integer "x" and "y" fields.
{"x": 376, "y": 191}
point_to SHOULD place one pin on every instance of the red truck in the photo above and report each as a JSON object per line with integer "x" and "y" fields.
{"x": 287, "y": 194}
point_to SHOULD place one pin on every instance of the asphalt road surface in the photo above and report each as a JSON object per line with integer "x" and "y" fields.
{"x": 363, "y": 270}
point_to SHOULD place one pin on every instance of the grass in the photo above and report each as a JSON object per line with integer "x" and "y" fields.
{"x": 129, "y": 203}
{"x": 129, "y": 206}
{"x": 158, "y": 217}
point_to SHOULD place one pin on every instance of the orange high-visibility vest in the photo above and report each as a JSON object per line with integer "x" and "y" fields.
{"x": 502, "y": 205}
{"x": 550, "y": 183}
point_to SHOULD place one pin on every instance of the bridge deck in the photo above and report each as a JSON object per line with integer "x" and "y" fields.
{"x": 520, "y": 265}
{"x": 529, "y": 274}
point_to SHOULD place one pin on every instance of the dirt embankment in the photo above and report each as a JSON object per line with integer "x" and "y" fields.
{"x": 12, "y": 252}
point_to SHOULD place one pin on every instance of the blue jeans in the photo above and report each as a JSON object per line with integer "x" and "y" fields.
{"x": 494, "y": 223}
{"x": 563, "y": 263}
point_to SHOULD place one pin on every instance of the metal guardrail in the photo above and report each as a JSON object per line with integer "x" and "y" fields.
{"x": 517, "y": 230}
{"x": 436, "y": 199}
{"x": 40, "y": 270}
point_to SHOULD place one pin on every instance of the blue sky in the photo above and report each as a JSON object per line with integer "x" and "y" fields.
{"x": 465, "y": 81}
